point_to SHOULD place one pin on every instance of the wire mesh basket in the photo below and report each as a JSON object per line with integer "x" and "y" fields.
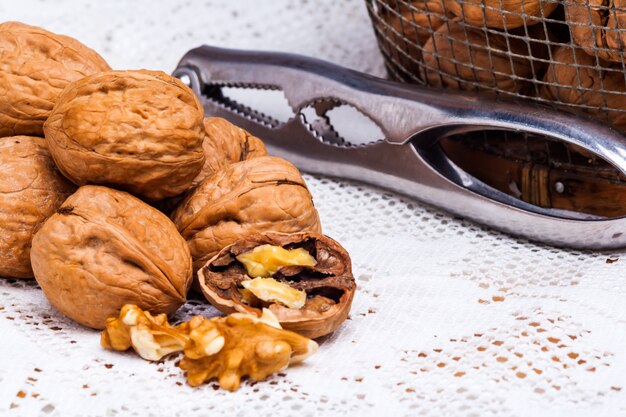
{"x": 568, "y": 54}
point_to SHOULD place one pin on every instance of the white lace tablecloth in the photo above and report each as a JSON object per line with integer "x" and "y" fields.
{"x": 450, "y": 319}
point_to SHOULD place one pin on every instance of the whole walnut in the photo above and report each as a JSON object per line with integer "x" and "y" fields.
{"x": 31, "y": 189}
{"x": 224, "y": 144}
{"x": 35, "y": 66}
{"x": 407, "y": 27}
{"x": 575, "y": 81}
{"x": 470, "y": 59}
{"x": 257, "y": 195}
{"x": 105, "y": 248}
{"x": 140, "y": 131}
{"x": 599, "y": 26}
{"x": 501, "y": 14}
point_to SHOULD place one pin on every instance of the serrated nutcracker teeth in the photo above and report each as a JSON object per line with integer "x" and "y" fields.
{"x": 323, "y": 126}
{"x": 242, "y": 110}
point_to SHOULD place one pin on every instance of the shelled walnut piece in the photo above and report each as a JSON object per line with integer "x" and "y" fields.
{"x": 256, "y": 195}
{"x": 328, "y": 284}
{"x": 36, "y": 66}
{"x": 599, "y": 26}
{"x": 31, "y": 189}
{"x": 140, "y": 131}
{"x": 574, "y": 79}
{"x": 466, "y": 58}
{"x": 105, "y": 248}
{"x": 227, "y": 348}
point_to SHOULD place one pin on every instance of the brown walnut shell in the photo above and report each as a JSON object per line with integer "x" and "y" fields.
{"x": 501, "y": 14}
{"x": 225, "y": 144}
{"x": 598, "y": 24}
{"x": 408, "y": 27}
{"x": 35, "y": 66}
{"x": 140, "y": 131}
{"x": 329, "y": 284}
{"x": 31, "y": 189}
{"x": 105, "y": 248}
{"x": 257, "y": 195}
{"x": 574, "y": 79}
{"x": 469, "y": 59}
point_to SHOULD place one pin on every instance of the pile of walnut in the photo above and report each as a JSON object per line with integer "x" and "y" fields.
{"x": 570, "y": 53}
{"x": 116, "y": 191}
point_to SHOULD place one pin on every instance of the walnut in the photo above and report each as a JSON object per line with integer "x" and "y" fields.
{"x": 140, "y": 131}
{"x": 501, "y": 14}
{"x": 227, "y": 348}
{"x": 461, "y": 57}
{"x": 150, "y": 336}
{"x": 599, "y": 26}
{"x": 31, "y": 189}
{"x": 36, "y": 67}
{"x": 408, "y": 27}
{"x": 329, "y": 284}
{"x": 225, "y": 144}
{"x": 233, "y": 347}
{"x": 575, "y": 79}
{"x": 105, "y": 248}
{"x": 256, "y": 195}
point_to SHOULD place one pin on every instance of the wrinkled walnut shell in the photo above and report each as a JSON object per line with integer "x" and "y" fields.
{"x": 225, "y": 144}
{"x": 468, "y": 59}
{"x": 329, "y": 284}
{"x": 140, "y": 131}
{"x": 31, "y": 189}
{"x": 500, "y": 14}
{"x": 581, "y": 82}
{"x": 408, "y": 28}
{"x": 36, "y": 66}
{"x": 598, "y": 24}
{"x": 105, "y": 248}
{"x": 257, "y": 195}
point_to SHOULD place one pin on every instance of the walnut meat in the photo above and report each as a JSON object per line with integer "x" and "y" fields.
{"x": 35, "y": 66}
{"x": 469, "y": 59}
{"x": 329, "y": 284}
{"x": 140, "y": 131}
{"x": 31, "y": 189}
{"x": 150, "y": 336}
{"x": 574, "y": 79}
{"x": 233, "y": 347}
{"x": 502, "y": 14}
{"x": 225, "y": 144}
{"x": 252, "y": 196}
{"x": 227, "y": 348}
{"x": 105, "y": 248}
{"x": 599, "y": 26}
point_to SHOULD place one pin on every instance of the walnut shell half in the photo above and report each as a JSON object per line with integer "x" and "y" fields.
{"x": 105, "y": 248}
{"x": 31, "y": 189}
{"x": 257, "y": 195}
{"x": 329, "y": 285}
{"x": 140, "y": 131}
{"x": 35, "y": 66}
